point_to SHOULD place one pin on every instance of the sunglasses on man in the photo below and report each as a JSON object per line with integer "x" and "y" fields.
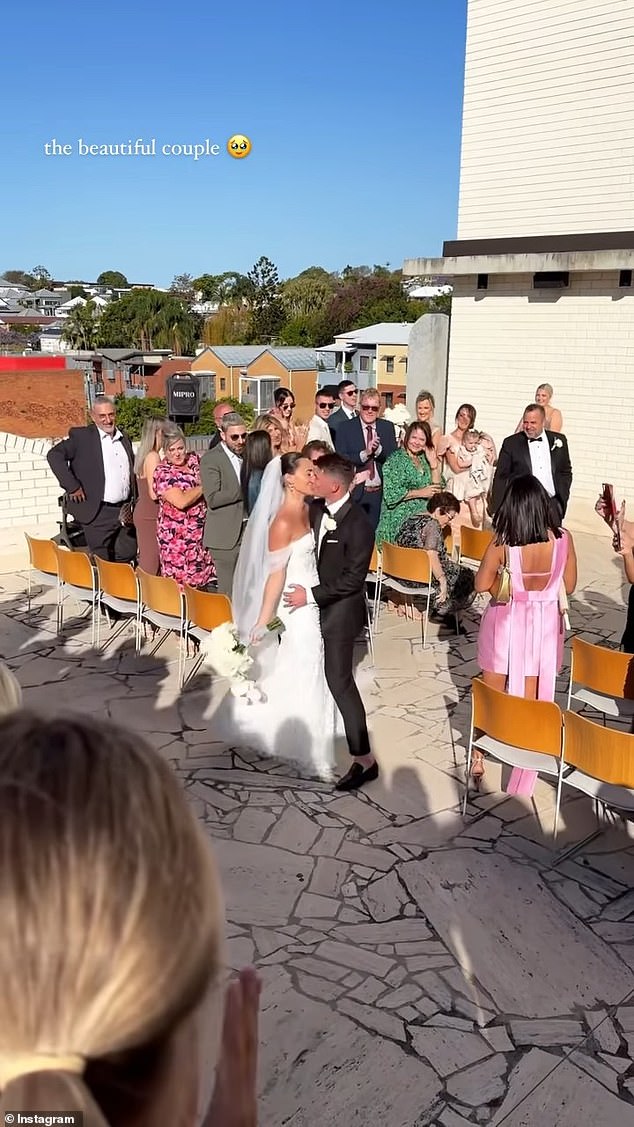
{"x": 325, "y": 405}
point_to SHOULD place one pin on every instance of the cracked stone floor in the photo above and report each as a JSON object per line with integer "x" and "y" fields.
{"x": 418, "y": 968}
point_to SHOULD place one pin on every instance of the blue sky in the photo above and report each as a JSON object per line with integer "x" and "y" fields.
{"x": 353, "y": 108}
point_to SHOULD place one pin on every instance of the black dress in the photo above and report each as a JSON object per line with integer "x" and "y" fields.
{"x": 423, "y": 531}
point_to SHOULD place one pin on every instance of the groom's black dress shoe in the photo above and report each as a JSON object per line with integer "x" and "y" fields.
{"x": 357, "y": 776}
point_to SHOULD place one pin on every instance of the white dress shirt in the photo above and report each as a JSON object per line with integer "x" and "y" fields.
{"x": 319, "y": 430}
{"x": 541, "y": 464}
{"x": 329, "y": 511}
{"x": 116, "y": 468}
{"x": 235, "y": 459}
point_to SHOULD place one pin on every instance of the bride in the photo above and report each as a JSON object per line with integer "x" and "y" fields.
{"x": 298, "y": 718}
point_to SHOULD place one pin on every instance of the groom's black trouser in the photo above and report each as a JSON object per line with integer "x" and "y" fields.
{"x": 339, "y": 663}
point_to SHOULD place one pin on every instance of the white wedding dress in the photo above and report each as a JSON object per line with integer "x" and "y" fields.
{"x": 297, "y": 720}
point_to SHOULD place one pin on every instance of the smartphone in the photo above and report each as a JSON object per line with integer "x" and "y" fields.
{"x": 611, "y": 513}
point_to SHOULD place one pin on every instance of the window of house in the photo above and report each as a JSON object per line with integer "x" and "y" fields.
{"x": 223, "y": 383}
{"x": 364, "y": 363}
{"x": 389, "y": 399}
{"x": 389, "y": 363}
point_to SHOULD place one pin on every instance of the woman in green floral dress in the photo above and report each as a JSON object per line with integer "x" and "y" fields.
{"x": 411, "y": 476}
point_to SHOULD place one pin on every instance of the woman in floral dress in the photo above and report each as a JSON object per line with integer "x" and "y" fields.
{"x": 182, "y": 512}
{"x": 411, "y": 476}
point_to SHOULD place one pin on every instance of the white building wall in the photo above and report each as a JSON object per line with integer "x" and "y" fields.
{"x": 508, "y": 339}
{"x": 548, "y": 119}
{"x": 29, "y": 491}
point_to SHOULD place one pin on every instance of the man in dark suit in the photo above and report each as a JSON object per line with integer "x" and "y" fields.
{"x": 367, "y": 441}
{"x": 220, "y": 471}
{"x": 542, "y": 453}
{"x": 347, "y": 396}
{"x": 95, "y": 466}
{"x": 344, "y": 540}
{"x": 220, "y": 410}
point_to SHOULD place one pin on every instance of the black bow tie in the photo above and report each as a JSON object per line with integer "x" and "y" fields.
{"x": 535, "y": 439}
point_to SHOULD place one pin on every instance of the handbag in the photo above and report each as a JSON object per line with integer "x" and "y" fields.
{"x": 126, "y": 513}
{"x": 505, "y": 587}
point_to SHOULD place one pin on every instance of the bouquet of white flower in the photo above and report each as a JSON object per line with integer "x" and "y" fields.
{"x": 228, "y": 657}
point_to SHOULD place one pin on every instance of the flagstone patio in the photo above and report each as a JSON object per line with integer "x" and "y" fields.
{"x": 418, "y": 968}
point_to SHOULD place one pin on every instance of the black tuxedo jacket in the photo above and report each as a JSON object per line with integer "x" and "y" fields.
{"x": 350, "y": 440}
{"x": 342, "y": 563}
{"x": 336, "y": 419}
{"x": 515, "y": 460}
{"x": 78, "y": 461}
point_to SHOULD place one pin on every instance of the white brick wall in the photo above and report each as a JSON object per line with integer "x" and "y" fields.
{"x": 508, "y": 339}
{"x": 28, "y": 488}
{"x": 548, "y": 119}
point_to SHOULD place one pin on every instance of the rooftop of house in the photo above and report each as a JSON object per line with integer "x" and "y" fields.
{"x": 385, "y": 332}
{"x": 241, "y": 355}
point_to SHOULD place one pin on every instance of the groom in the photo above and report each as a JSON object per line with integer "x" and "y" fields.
{"x": 344, "y": 541}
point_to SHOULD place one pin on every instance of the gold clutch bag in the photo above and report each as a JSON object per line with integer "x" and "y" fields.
{"x": 505, "y": 588}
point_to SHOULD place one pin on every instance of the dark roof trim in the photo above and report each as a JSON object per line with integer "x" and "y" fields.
{"x": 538, "y": 244}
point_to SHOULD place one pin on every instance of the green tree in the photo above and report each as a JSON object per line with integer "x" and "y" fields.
{"x": 81, "y": 326}
{"x": 41, "y": 278}
{"x": 113, "y": 278}
{"x": 183, "y": 288}
{"x": 78, "y": 291}
{"x": 18, "y": 278}
{"x": 267, "y": 313}
{"x": 147, "y": 319}
{"x": 304, "y": 296}
{"x": 230, "y": 325}
{"x": 132, "y": 413}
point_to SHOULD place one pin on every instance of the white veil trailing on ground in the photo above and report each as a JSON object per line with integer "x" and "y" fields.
{"x": 253, "y": 567}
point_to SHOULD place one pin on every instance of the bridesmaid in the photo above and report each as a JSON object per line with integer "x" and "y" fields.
{"x": 146, "y": 508}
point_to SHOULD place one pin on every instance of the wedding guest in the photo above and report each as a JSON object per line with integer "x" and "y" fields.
{"x": 293, "y": 434}
{"x": 221, "y": 409}
{"x": 347, "y": 394}
{"x": 520, "y": 644}
{"x": 449, "y": 443}
{"x": 109, "y": 1006}
{"x": 318, "y": 427}
{"x": 316, "y": 450}
{"x": 182, "y": 510}
{"x": 537, "y": 451}
{"x": 411, "y": 476}
{"x": 473, "y": 482}
{"x": 452, "y": 585}
{"x": 367, "y": 442}
{"x": 10, "y": 691}
{"x": 221, "y": 470}
{"x": 624, "y": 546}
{"x": 257, "y": 455}
{"x": 272, "y": 426}
{"x": 145, "y": 515}
{"x": 554, "y": 418}
{"x": 425, "y": 407}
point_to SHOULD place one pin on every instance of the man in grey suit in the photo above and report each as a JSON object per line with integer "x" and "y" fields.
{"x": 220, "y": 470}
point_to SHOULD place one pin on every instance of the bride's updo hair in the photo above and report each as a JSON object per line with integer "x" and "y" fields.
{"x": 289, "y": 462}
{"x": 112, "y": 924}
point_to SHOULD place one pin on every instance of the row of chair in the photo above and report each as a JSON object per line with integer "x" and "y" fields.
{"x": 132, "y": 594}
{"x": 535, "y": 735}
{"x": 408, "y": 571}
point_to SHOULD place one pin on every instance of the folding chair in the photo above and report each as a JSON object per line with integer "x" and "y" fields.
{"x": 118, "y": 590}
{"x": 599, "y": 762}
{"x": 518, "y": 732}
{"x": 42, "y": 567}
{"x": 473, "y": 543}
{"x": 604, "y": 680}
{"x": 76, "y": 581}
{"x": 410, "y": 564}
{"x": 203, "y": 612}
{"x": 162, "y": 605}
{"x": 371, "y": 607}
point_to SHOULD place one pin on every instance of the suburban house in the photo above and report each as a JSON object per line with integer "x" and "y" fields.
{"x": 373, "y": 357}
{"x": 543, "y": 263}
{"x": 251, "y": 373}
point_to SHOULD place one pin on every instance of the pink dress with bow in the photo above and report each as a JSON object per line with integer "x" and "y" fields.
{"x": 525, "y": 638}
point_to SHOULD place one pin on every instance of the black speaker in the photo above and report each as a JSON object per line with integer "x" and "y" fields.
{"x": 182, "y": 393}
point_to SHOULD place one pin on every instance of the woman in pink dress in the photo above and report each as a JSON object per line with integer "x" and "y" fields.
{"x": 181, "y": 515}
{"x": 520, "y": 644}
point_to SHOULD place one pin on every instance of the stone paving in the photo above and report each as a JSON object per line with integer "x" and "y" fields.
{"x": 418, "y": 968}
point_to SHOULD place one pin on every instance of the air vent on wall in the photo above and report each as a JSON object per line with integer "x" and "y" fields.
{"x": 551, "y": 280}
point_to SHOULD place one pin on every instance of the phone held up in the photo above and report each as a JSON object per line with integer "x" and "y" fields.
{"x": 610, "y": 514}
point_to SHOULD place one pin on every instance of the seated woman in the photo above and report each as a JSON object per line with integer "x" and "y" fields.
{"x": 105, "y": 1007}
{"x": 182, "y": 512}
{"x": 257, "y": 455}
{"x": 452, "y": 584}
{"x": 411, "y": 475}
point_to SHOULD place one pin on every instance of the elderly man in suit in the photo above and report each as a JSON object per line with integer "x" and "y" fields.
{"x": 367, "y": 442}
{"x": 220, "y": 470}
{"x": 539, "y": 452}
{"x": 95, "y": 466}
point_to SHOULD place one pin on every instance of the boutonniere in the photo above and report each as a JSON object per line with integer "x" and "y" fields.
{"x": 329, "y": 524}
{"x": 557, "y": 444}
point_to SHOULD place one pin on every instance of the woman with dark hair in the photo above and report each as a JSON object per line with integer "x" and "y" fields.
{"x": 257, "y": 455}
{"x": 452, "y": 585}
{"x": 293, "y": 436}
{"x": 411, "y": 475}
{"x": 520, "y": 645}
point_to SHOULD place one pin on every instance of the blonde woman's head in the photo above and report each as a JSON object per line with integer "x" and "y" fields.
{"x": 112, "y": 924}
{"x": 10, "y": 691}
